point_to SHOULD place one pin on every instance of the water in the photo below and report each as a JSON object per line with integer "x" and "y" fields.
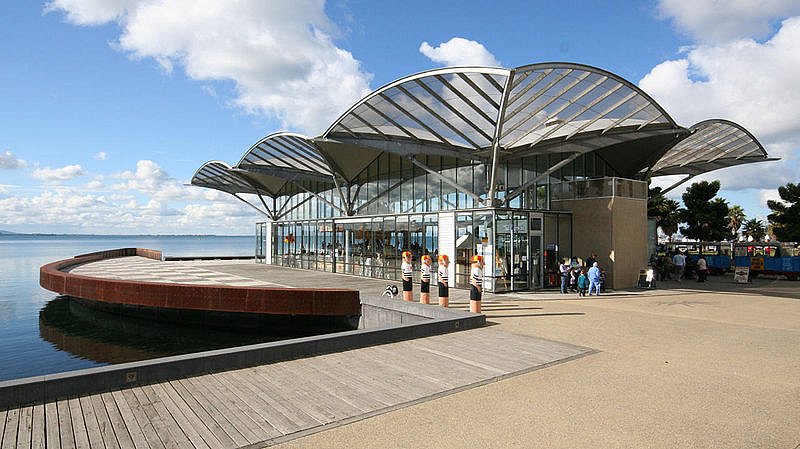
{"x": 65, "y": 336}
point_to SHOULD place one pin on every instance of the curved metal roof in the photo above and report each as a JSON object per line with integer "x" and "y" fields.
{"x": 220, "y": 176}
{"x": 713, "y": 144}
{"x": 488, "y": 115}
{"x": 469, "y": 109}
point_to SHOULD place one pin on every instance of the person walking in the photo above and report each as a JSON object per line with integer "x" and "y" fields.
{"x": 583, "y": 283}
{"x": 679, "y": 260}
{"x": 425, "y": 279}
{"x": 407, "y": 273}
{"x": 702, "y": 269}
{"x": 442, "y": 274}
{"x": 476, "y": 284}
{"x": 594, "y": 279}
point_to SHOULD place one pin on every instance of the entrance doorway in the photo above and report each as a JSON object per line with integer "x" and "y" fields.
{"x": 516, "y": 263}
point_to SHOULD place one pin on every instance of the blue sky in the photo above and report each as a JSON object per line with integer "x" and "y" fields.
{"x": 108, "y": 107}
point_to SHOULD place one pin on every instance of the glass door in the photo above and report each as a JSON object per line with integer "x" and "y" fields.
{"x": 517, "y": 263}
{"x": 535, "y": 260}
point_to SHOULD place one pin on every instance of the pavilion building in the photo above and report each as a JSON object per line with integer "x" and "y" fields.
{"x": 524, "y": 166}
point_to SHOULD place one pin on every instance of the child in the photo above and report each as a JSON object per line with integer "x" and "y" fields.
{"x": 407, "y": 273}
{"x": 573, "y": 279}
{"x": 583, "y": 283}
{"x": 425, "y": 279}
{"x": 444, "y": 290}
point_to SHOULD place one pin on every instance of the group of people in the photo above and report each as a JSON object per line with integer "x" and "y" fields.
{"x": 407, "y": 274}
{"x": 680, "y": 266}
{"x": 580, "y": 277}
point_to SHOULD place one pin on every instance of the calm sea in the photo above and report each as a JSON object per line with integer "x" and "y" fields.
{"x": 41, "y": 333}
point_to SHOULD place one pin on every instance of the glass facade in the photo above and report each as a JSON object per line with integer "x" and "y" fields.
{"x": 520, "y": 247}
{"x": 395, "y": 207}
{"x": 392, "y": 184}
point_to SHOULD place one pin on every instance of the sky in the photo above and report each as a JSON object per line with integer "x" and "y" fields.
{"x": 108, "y": 107}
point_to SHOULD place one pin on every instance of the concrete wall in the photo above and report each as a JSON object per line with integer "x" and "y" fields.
{"x": 616, "y": 229}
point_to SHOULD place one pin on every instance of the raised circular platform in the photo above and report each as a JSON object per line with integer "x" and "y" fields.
{"x": 229, "y": 305}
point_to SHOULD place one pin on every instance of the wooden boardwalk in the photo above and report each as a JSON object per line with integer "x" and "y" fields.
{"x": 272, "y": 403}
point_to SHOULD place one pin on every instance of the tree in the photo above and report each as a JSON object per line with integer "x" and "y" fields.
{"x": 785, "y": 216}
{"x": 735, "y": 217}
{"x": 704, "y": 216}
{"x": 664, "y": 210}
{"x": 754, "y": 228}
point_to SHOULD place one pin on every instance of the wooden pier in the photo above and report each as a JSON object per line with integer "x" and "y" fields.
{"x": 268, "y": 404}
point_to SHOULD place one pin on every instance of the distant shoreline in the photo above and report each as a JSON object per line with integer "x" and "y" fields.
{"x": 37, "y": 234}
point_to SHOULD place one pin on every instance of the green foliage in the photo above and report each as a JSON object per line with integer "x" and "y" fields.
{"x": 705, "y": 216}
{"x": 735, "y": 218}
{"x": 785, "y": 216}
{"x": 664, "y": 210}
{"x": 754, "y": 228}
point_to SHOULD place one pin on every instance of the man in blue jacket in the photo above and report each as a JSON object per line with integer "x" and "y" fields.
{"x": 594, "y": 279}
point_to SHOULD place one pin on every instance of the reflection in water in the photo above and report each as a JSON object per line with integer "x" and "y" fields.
{"x": 105, "y": 337}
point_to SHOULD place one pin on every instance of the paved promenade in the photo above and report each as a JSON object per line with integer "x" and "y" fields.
{"x": 689, "y": 365}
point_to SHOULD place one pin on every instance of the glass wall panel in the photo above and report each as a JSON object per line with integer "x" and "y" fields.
{"x": 391, "y": 250}
{"x": 565, "y": 236}
{"x": 465, "y": 248}
{"x": 551, "y": 251}
{"x": 261, "y": 255}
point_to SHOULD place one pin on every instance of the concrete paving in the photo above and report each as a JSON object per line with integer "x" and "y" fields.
{"x": 689, "y": 365}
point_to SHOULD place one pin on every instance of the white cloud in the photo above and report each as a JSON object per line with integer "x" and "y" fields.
{"x": 459, "y": 52}
{"x": 715, "y": 21}
{"x": 91, "y": 12}
{"x": 65, "y": 173}
{"x": 94, "y": 185}
{"x": 10, "y": 162}
{"x": 101, "y": 156}
{"x": 752, "y": 84}
{"x": 769, "y": 194}
{"x": 733, "y": 73}
{"x": 279, "y": 53}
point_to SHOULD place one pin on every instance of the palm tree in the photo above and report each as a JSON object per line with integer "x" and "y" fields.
{"x": 754, "y": 228}
{"x": 735, "y": 218}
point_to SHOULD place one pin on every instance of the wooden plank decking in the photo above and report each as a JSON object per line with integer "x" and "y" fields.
{"x": 273, "y": 403}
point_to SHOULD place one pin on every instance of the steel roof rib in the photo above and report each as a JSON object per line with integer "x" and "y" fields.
{"x": 218, "y": 175}
{"x": 466, "y": 99}
{"x": 565, "y": 106}
{"x": 441, "y": 119}
{"x": 605, "y": 112}
{"x": 586, "y": 108}
{"x": 453, "y": 110}
{"x": 627, "y": 116}
{"x": 533, "y": 98}
{"x": 722, "y": 137}
{"x": 415, "y": 119}
{"x": 369, "y": 125}
{"x": 493, "y": 82}
{"x": 541, "y": 108}
{"x": 718, "y": 147}
{"x": 480, "y": 92}
{"x": 393, "y": 122}
{"x": 287, "y": 153}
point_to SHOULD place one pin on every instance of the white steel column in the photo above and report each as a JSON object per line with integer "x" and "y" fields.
{"x": 269, "y": 237}
{"x": 447, "y": 242}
